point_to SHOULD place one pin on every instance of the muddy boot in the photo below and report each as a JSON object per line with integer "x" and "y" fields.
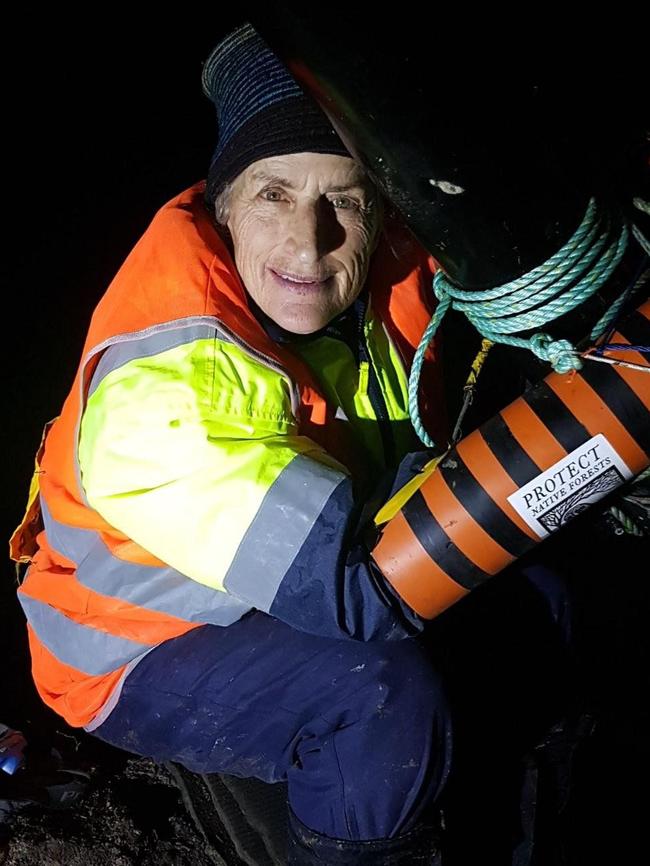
{"x": 419, "y": 847}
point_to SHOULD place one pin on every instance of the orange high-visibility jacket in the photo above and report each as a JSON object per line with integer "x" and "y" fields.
{"x": 110, "y": 580}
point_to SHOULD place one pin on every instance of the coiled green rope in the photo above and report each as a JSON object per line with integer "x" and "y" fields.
{"x": 563, "y": 282}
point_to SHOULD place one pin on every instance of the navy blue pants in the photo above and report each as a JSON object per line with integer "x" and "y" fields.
{"x": 360, "y": 731}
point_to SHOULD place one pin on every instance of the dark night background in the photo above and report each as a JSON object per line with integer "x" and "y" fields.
{"x": 104, "y": 123}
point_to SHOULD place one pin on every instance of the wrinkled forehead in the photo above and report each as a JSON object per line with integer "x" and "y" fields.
{"x": 300, "y": 170}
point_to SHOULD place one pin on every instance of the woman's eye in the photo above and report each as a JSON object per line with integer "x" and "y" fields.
{"x": 272, "y": 195}
{"x": 343, "y": 202}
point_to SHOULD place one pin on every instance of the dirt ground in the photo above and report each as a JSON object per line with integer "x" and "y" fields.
{"x": 131, "y": 813}
{"x": 132, "y": 816}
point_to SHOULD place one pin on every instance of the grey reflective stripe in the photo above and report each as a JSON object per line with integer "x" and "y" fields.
{"x": 88, "y": 649}
{"x": 114, "y": 696}
{"x": 136, "y": 337}
{"x": 152, "y": 344}
{"x": 164, "y": 590}
{"x": 285, "y": 518}
{"x": 167, "y": 336}
{"x": 74, "y": 544}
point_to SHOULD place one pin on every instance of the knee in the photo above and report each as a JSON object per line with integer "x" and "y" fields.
{"x": 383, "y": 742}
{"x": 393, "y": 687}
{"x": 406, "y": 681}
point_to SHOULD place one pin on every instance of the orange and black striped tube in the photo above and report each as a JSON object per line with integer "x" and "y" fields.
{"x": 543, "y": 459}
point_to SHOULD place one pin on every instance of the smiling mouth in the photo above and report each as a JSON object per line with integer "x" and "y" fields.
{"x": 296, "y": 282}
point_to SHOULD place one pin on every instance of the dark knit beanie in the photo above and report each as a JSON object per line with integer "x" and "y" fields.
{"x": 261, "y": 110}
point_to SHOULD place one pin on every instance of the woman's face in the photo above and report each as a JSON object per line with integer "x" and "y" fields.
{"x": 303, "y": 228}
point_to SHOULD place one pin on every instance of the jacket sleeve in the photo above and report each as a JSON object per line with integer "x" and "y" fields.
{"x": 193, "y": 453}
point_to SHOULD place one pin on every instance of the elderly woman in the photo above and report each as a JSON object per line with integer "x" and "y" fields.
{"x": 200, "y": 573}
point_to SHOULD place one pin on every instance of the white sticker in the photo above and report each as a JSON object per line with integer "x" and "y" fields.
{"x": 570, "y": 486}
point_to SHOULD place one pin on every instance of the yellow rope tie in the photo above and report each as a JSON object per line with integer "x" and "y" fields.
{"x": 469, "y": 387}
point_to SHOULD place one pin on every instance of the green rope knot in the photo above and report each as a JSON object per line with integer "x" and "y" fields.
{"x": 560, "y": 354}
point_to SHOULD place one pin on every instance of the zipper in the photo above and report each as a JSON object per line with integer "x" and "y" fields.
{"x": 376, "y": 395}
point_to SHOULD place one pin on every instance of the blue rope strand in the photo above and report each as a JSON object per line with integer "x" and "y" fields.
{"x": 623, "y": 347}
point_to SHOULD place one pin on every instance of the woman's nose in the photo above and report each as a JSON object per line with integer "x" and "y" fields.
{"x": 312, "y": 232}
